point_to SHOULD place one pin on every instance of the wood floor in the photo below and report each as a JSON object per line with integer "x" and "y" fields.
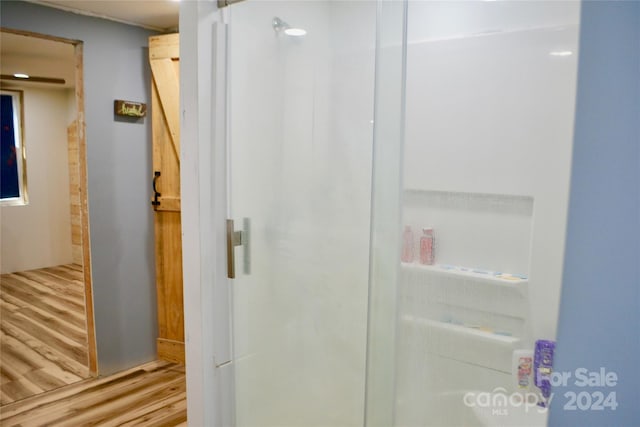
{"x": 150, "y": 395}
{"x": 43, "y": 336}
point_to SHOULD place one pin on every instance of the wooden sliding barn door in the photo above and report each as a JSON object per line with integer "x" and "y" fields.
{"x": 165, "y": 199}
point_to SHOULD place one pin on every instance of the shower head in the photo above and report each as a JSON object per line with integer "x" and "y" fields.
{"x": 280, "y": 26}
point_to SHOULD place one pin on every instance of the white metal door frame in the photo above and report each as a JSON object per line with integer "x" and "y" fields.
{"x": 204, "y": 195}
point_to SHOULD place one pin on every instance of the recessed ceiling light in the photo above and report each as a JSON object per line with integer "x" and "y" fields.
{"x": 21, "y": 76}
{"x": 561, "y": 53}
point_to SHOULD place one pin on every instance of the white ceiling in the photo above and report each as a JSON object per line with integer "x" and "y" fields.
{"x": 36, "y": 57}
{"x": 159, "y": 15}
{"x": 46, "y": 58}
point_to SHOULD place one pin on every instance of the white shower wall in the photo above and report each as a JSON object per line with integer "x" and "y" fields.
{"x": 301, "y": 142}
{"x": 489, "y": 128}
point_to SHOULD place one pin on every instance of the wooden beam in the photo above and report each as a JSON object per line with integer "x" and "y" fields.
{"x": 170, "y": 350}
{"x": 39, "y": 36}
{"x": 33, "y": 79}
{"x": 166, "y": 46}
{"x": 84, "y": 211}
{"x": 166, "y": 80}
{"x": 171, "y": 204}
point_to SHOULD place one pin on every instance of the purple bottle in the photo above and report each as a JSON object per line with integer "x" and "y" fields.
{"x": 543, "y": 368}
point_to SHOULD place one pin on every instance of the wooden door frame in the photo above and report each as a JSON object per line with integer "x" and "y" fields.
{"x": 78, "y": 46}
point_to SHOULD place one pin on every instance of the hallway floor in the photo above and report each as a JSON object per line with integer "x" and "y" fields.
{"x": 153, "y": 394}
{"x": 43, "y": 334}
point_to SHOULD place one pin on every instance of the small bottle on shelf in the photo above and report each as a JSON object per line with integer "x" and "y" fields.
{"x": 427, "y": 247}
{"x": 407, "y": 245}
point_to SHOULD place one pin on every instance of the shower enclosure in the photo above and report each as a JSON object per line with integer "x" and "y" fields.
{"x": 301, "y": 128}
{"x": 337, "y": 127}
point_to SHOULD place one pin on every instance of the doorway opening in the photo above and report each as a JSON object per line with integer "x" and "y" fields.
{"x": 47, "y": 322}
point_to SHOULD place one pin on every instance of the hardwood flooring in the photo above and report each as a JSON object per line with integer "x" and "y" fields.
{"x": 153, "y": 394}
{"x": 43, "y": 336}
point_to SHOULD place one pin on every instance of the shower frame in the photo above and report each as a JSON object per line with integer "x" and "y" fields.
{"x": 207, "y": 293}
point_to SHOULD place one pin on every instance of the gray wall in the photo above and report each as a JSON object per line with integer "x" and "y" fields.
{"x": 119, "y": 166}
{"x": 600, "y": 306}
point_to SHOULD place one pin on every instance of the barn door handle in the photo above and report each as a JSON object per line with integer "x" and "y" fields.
{"x": 155, "y": 203}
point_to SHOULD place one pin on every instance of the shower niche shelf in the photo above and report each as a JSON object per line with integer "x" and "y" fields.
{"x": 463, "y": 330}
{"x": 473, "y": 229}
{"x": 473, "y": 306}
{"x": 464, "y": 274}
{"x": 463, "y": 343}
{"x": 452, "y": 298}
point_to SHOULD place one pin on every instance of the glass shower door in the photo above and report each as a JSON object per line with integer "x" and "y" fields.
{"x": 300, "y": 102}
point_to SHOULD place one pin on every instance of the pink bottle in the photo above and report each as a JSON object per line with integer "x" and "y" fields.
{"x": 426, "y": 247}
{"x": 407, "y": 245}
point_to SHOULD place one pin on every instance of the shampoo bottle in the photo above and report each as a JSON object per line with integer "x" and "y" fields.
{"x": 522, "y": 370}
{"x": 407, "y": 245}
{"x": 427, "y": 246}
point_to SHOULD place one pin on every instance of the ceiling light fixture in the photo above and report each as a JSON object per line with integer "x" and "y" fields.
{"x": 32, "y": 79}
{"x": 561, "y": 53}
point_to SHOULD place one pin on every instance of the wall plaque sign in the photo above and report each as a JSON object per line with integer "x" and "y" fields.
{"x": 129, "y": 108}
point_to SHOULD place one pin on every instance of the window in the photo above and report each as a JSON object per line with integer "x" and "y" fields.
{"x": 13, "y": 182}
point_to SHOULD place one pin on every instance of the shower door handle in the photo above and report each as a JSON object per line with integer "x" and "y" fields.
{"x": 238, "y": 238}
